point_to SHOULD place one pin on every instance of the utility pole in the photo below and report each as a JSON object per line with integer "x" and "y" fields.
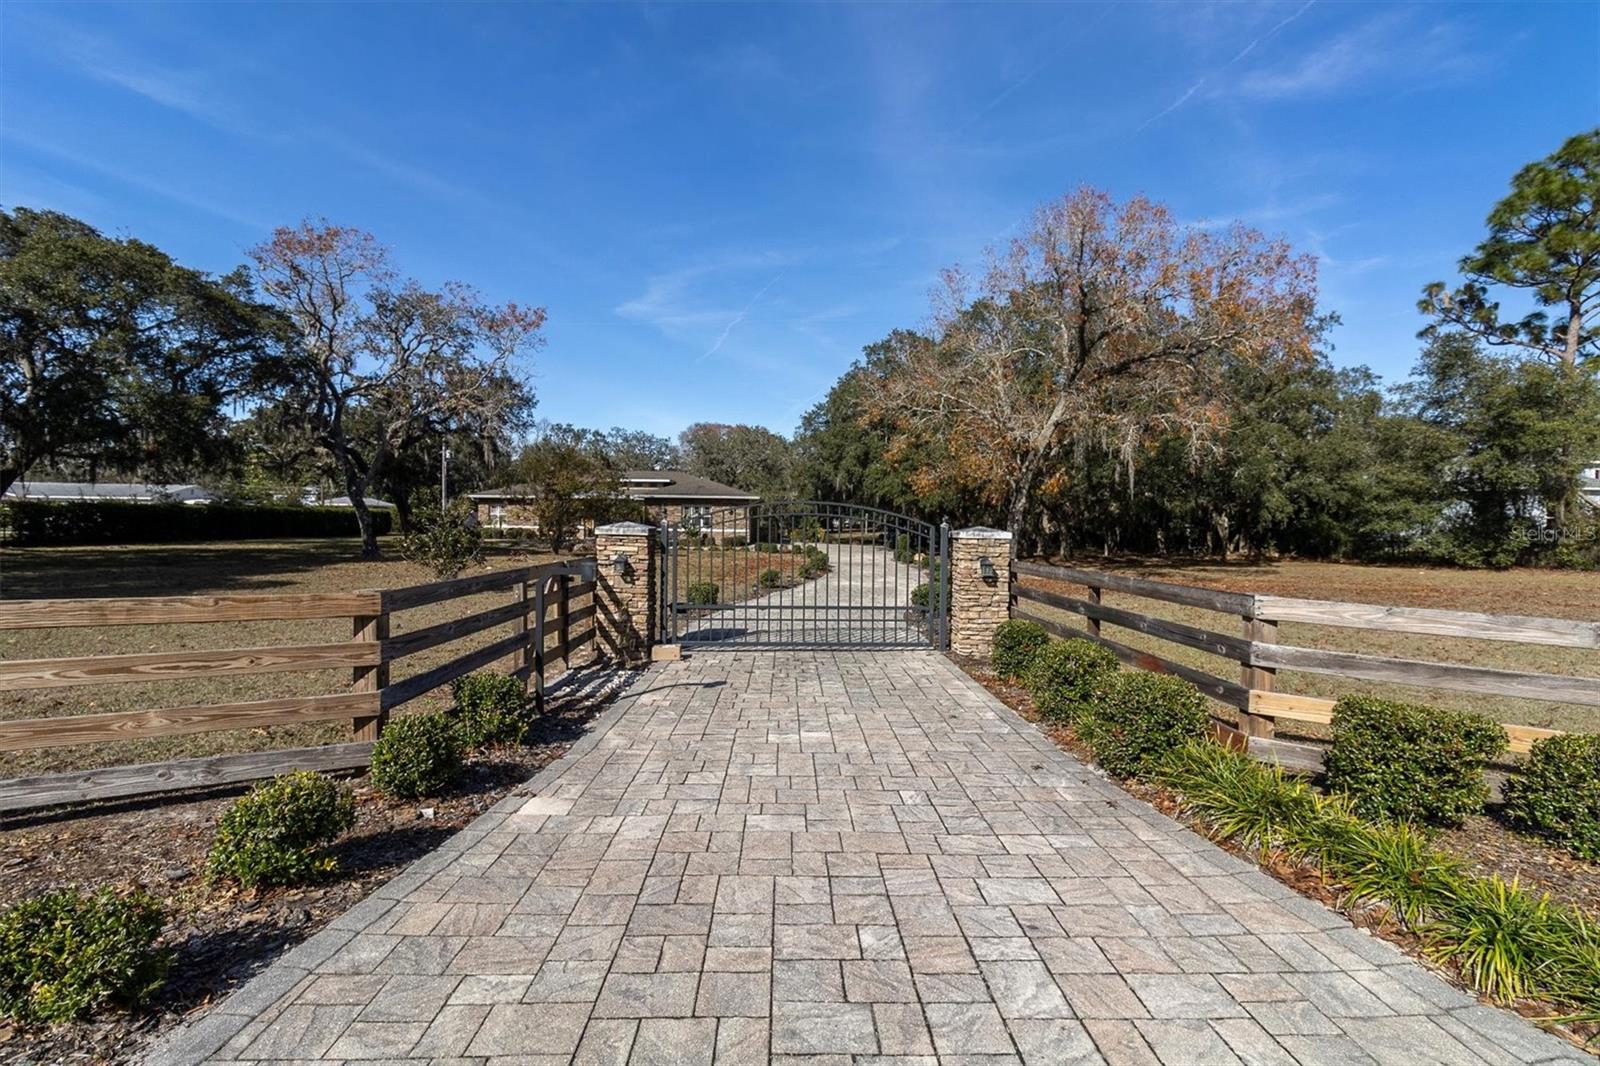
{"x": 444, "y": 473}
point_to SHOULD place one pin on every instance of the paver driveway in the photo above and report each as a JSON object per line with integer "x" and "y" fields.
{"x": 854, "y": 857}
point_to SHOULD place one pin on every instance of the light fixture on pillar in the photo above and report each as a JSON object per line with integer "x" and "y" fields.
{"x": 986, "y": 568}
{"x": 619, "y": 564}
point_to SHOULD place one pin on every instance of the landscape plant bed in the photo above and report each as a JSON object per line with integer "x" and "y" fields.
{"x": 222, "y": 935}
{"x": 1487, "y": 847}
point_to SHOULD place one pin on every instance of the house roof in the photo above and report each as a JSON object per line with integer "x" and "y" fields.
{"x": 106, "y": 490}
{"x": 373, "y": 503}
{"x": 647, "y": 485}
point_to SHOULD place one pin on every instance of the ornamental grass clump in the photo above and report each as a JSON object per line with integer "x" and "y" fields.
{"x": 1138, "y": 717}
{"x": 278, "y": 832}
{"x": 66, "y": 954}
{"x": 1557, "y": 794}
{"x": 418, "y": 755}
{"x": 1066, "y": 676}
{"x": 1411, "y": 762}
{"x": 1017, "y": 643}
{"x": 490, "y": 708}
{"x": 1506, "y": 941}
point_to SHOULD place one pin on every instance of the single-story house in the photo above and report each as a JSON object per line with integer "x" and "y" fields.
{"x": 674, "y": 496}
{"x": 1589, "y": 484}
{"x": 99, "y": 491}
{"x": 373, "y": 503}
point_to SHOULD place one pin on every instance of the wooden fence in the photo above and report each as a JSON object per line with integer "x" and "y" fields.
{"x": 1254, "y": 646}
{"x": 537, "y": 593}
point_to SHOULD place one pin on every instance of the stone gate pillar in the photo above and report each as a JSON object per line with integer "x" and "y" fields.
{"x": 626, "y": 591}
{"x": 980, "y": 588}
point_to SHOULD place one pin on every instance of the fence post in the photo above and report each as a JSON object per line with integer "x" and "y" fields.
{"x": 1257, "y": 630}
{"x": 1093, "y": 624}
{"x": 519, "y": 626}
{"x": 627, "y": 612}
{"x": 538, "y": 645}
{"x": 980, "y": 595}
{"x": 563, "y": 625}
{"x": 372, "y": 628}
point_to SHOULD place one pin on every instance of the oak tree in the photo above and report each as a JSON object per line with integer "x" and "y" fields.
{"x": 379, "y": 362}
{"x": 112, "y": 356}
{"x": 1102, "y": 322}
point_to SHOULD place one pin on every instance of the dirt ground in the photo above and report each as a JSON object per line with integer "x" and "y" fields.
{"x": 222, "y": 936}
{"x": 1548, "y": 593}
{"x": 191, "y": 569}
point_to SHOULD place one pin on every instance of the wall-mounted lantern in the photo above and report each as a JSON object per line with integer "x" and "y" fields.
{"x": 619, "y": 564}
{"x": 986, "y": 568}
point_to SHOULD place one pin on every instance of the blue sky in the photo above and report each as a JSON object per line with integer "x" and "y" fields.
{"x": 720, "y": 205}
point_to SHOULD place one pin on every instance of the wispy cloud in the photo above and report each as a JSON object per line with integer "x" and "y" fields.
{"x": 1390, "y": 48}
{"x": 196, "y": 92}
{"x": 165, "y": 189}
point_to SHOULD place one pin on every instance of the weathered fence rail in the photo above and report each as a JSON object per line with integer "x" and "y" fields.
{"x": 1261, "y": 655}
{"x": 538, "y": 592}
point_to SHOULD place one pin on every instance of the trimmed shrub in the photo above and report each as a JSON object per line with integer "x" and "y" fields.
{"x": 1557, "y": 794}
{"x": 445, "y": 541}
{"x": 34, "y": 523}
{"x": 490, "y": 708}
{"x": 815, "y": 563}
{"x": 1065, "y": 676}
{"x": 921, "y": 596}
{"x": 1138, "y": 717}
{"x": 704, "y": 593}
{"x": 1017, "y": 643}
{"x": 67, "y": 953}
{"x": 276, "y": 833}
{"x": 418, "y": 755}
{"x": 770, "y": 579}
{"x": 1408, "y": 762}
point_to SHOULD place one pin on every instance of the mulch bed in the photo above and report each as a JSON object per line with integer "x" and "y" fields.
{"x": 221, "y": 935}
{"x": 1487, "y": 846}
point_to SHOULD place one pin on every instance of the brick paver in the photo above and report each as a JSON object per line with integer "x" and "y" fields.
{"x": 840, "y": 857}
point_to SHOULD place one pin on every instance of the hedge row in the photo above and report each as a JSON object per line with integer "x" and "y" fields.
{"x": 1393, "y": 762}
{"x": 30, "y": 523}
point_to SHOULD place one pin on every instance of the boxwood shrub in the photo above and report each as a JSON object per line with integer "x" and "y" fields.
{"x": 1137, "y": 717}
{"x": 490, "y": 708}
{"x": 770, "y": 579}
{"x": 1409, "y": 762}
{"x": 1065, "y": 676}
{"x": 65, "y": 954}
{"x": 418, "y": 755}
{"x": 1016, "y": 644}
{"x": 278, "y": 832}
{"x": 704, "y": 593}
{"x": 1557, "y": 794}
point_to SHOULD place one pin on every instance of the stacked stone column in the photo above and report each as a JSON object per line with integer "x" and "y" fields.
{"x": 978, "y": 604}
{"x": 626, "y": 596}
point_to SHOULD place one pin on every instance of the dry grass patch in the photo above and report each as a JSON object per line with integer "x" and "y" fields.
{"x": 1553, "y": 594}
{"x": 193, "y": 569}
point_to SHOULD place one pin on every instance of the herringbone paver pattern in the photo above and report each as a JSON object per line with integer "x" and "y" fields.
{"x": 831, "y": 858}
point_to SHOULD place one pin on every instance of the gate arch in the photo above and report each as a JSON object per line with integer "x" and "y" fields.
{"x": 804, "y": 574}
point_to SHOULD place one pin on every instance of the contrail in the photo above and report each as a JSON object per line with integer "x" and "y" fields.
{"x": 1197, "y": 86}
{"x": 738, "y": 318}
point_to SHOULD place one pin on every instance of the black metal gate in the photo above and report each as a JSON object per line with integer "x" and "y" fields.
{"x": 804, "y": 574}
